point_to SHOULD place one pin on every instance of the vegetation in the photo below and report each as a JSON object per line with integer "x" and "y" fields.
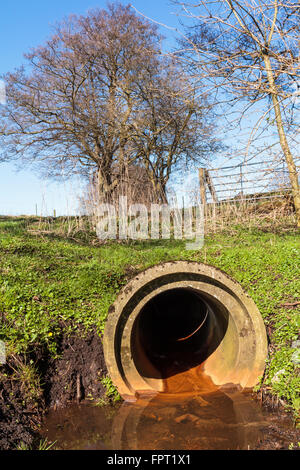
{"x": 41, "y": 445}
{"x": 52, "y": 283}
{"x": 111, "y": 393}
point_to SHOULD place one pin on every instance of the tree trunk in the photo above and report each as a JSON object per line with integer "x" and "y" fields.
{"x": 104, "y": 186}
{"x": 283, "y": 140}
{"x": 159, "y": 190}
{"x": 163, "y": 195}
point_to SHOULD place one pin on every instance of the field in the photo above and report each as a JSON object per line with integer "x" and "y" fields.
{"x": 55, "y": 282}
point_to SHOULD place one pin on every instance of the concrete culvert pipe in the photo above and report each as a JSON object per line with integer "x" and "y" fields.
{"x": 183, "y": 319}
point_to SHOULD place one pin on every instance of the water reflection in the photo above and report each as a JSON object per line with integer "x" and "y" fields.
{"x": 214, "y": 420}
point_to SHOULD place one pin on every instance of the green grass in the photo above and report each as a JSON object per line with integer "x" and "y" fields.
{"x": 51, "y": 283}
{"x": 111, "y": 393}
{"x": 41, "y": 445}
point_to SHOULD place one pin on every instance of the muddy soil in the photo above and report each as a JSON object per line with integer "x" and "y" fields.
{"x": 75, "y": 378}
{"x": 76, "y": 375}
{"x": 19, "y": 420}
{"x": 280, "y": 434}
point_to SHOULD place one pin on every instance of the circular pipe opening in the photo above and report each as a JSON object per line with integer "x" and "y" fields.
{"x": 183, "y": 319}
{"x": 175, "y": 331}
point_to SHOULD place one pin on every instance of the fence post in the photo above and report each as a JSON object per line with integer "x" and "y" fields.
{"x": 202, "y": 186}
{"x": 211, "y": 186}
{"x": 241, "y": 178}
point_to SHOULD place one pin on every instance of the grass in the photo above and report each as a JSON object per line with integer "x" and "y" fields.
{"x": 41, "y": 445}
{"x": 111, "y": 393}
{"x": 51, "y": 282}
{"x": 26, "y": 374}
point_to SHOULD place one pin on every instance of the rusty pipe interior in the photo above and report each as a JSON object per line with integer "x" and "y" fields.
{"x": 176, "y": 330}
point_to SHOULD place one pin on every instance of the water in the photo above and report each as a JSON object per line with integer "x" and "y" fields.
{"x": 192, "y": 414}
{"x": 212, "y": 420}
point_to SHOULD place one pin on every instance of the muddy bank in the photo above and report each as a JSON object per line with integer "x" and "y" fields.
{"x": 74, "y": 378}
{"x": 19, "y": 417}
{"x": 32, "y": 385}
{"x": 76, "y": 375}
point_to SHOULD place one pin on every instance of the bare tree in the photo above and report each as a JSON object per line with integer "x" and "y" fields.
{"x": 100, "y": 95}
{"x": 73, "y": 109}
{"x": 179, "y": 128}
{"x": 247, "y": 52}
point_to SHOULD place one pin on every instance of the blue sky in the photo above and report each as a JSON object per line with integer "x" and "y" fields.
{"x": 26, "y": 24}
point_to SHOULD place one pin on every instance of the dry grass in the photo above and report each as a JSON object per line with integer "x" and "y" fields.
{"x": 271, "y": 214}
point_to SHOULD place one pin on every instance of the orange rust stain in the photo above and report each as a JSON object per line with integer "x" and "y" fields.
{"x": 189, "y": 381}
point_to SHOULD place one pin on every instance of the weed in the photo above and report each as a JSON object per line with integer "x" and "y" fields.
{"x": 111, "y": 392}
{"x": 43, "y": 444}
{"x": 27, "y": 375}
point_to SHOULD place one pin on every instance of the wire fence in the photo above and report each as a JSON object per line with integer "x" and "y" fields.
{"x": 247, "y": 181}
{"x": 248, "y": 192}
{"x": 252, "y": 194}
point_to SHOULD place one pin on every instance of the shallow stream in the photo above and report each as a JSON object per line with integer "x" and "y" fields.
{"x": 208, "y": 419}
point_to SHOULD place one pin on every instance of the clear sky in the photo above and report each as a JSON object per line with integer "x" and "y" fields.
{"x": 25, "y": 24}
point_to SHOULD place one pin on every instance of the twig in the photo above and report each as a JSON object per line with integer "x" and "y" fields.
{"x": 78, "y": 388}
{"x": 290, "y": 304}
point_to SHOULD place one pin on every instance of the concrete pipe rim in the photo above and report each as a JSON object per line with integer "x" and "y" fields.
{"x": 243, "y": 344}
